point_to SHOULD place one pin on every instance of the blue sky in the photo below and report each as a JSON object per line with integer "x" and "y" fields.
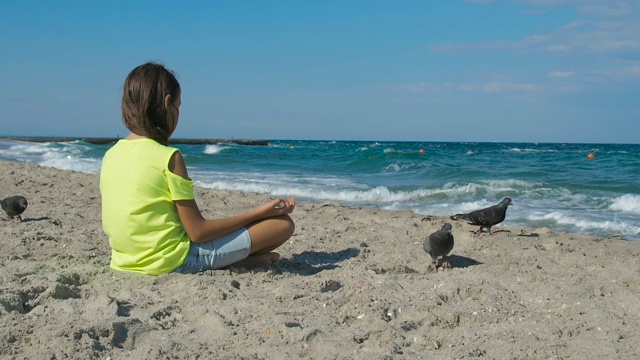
{"x": 523, "y": 71}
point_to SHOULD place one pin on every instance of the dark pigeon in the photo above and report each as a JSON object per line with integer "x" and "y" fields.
{"x": 486, "y": 218}
{"x": 438, "y": 244}
{"x": 14, "y": 206}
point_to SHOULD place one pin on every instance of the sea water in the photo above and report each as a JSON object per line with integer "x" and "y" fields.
{"x": 552, "y": 185}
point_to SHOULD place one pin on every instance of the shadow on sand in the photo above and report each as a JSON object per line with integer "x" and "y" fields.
{"x": 45, "y": 218}
{"x": 313, "y": 262}
{"x": 458, "y": 261}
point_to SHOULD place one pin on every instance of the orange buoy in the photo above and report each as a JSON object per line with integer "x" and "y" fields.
{"x": 590, "y": 156}
{"x": 421, "y": 151}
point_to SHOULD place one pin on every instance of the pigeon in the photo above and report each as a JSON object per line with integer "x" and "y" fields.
{"x": 439, "y": 244}
{"x": 487, "y": 217}
{"x": 14, "y": 206}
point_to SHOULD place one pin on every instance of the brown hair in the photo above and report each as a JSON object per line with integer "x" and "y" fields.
{"x": 143, "y": 107}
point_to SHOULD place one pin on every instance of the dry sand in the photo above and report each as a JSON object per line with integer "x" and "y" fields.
{"x": 353, "y": 284}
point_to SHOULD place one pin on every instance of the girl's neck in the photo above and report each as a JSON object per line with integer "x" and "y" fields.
{"x": 133, "y": 136}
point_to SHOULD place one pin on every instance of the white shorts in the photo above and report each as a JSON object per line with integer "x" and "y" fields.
{"x": 216, "y": 254}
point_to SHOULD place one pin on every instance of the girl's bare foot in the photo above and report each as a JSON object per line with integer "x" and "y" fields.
{"x": 269, "y": 260}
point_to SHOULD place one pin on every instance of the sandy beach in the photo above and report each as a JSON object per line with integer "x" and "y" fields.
{"x": 353, "y": 283}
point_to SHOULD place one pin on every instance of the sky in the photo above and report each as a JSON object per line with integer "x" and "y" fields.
{"x": 431, "y": 70}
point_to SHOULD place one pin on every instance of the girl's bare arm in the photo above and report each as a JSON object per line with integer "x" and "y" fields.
{"x": 202, "y": 230}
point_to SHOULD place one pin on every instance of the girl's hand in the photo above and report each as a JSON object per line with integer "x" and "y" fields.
{"x": 278, "y": 207}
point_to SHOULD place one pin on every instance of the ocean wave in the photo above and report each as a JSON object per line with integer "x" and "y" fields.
{"x": 213, "y": 149}
{"x": 587, "y": 225}
{"x": 489, "y": 187}
{"x": 403, "y": 152}
{"x": 406, "y": 167}
{"x": 626, "y": 203}
{"x": 64, "y": 156}
{"x": 90, "y": 166}
{"x": 279, "y": 145}
{"x": 461, "y": 197}
{"x": 530, "y": 150}
{"x": 379, "y": 195}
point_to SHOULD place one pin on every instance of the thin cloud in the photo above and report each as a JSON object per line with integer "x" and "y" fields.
{"x": 560, "y": 74}
{"x": 626, "y": 73}
{"x": 488, "y": 87}
{"x": 604, "y": 28}
{"x": 600, "y": 46}
{"x": 508, "y": 87}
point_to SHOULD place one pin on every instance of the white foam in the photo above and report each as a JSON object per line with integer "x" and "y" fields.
{"x": 613, "y": 225}
{"x": 314, "y": 188}
{"x": 65, "y": 156}
{"x": 530, "y": 150}
{"x": 372, "y": 196}
{"x": 627, "y": 203}
{"x": 510, "y": 184}
{"x": 91, "y": 166}
{"x": 213, "y": 149}
{"x": 491, "y": 188}
{"x": 406, "y": 167}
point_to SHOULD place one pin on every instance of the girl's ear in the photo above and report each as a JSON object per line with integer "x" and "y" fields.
{"x": 167, "y": 101}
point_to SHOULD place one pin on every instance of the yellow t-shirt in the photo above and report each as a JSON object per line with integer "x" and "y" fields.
{"x": 138, "y": 211}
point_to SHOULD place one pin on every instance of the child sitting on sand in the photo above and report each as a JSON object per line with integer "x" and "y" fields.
{"x": 148, "y": 208}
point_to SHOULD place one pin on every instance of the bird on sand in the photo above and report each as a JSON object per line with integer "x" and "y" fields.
{"x": 487, "y": 217}
{"x": 14, "y": 206}
{"x": 438, "y": 244}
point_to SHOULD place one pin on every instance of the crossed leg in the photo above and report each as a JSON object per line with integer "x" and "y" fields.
{"x": 266, "y": 236}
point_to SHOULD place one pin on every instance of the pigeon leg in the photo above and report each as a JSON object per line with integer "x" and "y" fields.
{"x": 445, "y": 263}
{"x": 434, "y": 266}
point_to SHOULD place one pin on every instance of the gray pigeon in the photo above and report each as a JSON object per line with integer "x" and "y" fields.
{"x": 487, "y": 217}
{"x": 440, "y": 243}
{"x": 14, "y": 206}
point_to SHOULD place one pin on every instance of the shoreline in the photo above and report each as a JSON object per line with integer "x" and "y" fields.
{"x": 353, "y": 283}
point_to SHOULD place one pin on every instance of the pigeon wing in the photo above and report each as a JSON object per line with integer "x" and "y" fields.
{"x": 14, "y": 205}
